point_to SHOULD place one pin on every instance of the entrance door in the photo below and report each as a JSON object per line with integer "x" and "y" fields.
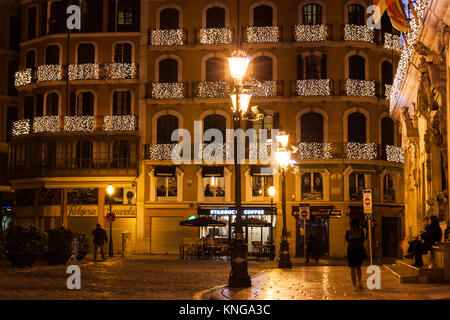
{"x": 390, "y": 236}
{"x": 318, "y": 227}
{"x": 166, "y": 235}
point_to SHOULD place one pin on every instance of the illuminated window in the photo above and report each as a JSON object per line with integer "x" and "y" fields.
{"x": 356, "y": 14}
{"x": 312, "y": 14}
{"x": 357, "y": 184}
{"x": 166, "y": 181}
{"x": 312, "y": 186}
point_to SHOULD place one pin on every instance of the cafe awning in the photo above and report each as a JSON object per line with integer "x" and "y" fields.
{"x": 202, "y": 222}
{"x": 212, "y": 172}
{"x": 165, "y": 171}
{"x": 253, "y": 222}
{"x": 261, "y": 171}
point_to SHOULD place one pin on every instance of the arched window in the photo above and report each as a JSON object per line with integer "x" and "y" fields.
{"x": 168, "y": 19}
{"x": 165, "y": 126}
{"x": 357, "y": 127}
{"x": 122, "y": 53}
{"x": 30, "y": 58}
{"x": 262, "y": 68}
{"x": 262, "y": 16}
{"x": 31, "y": 22}
{"x": 123, "y": 15}
{"x": 388, "y": 189}
{"x": 312, "y": 67}
{"x": 215, "y": 17}
{"x": 57, "y": 23}
{"x": 121, "y": 154}
{"x": 215, "y": 121}
{"x": 52, "y": 54}
{"x": 168, "y": 70}
{"x": 312, "y": 127}
{"x": 357, "y": 68}
{"x": 268, "y": 123}
{"x": 91, "y": 15}
{"x": 386, "y": 25}
{"x": 312, "y": 14}
{"x": 387, "y": 73}
{"x": 84, "y": 152}
{"x": 86, "y": 53}
{"x": 122, "y": 102}
{"x": 215, "y": 69}
{"x": 356, "y": 14}
{"x": 82, "y": 104}
{"x": 387, "y": 134}
{"x": 52, "y": 104}
{"x": 357, "y": 183}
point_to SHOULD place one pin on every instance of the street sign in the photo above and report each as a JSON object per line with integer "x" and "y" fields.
{"x": 110, "y": 217}
{"x": 367, "y": 201}
{"x": 304, "y": 211}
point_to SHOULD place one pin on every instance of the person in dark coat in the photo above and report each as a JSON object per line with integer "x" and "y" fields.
{"x": 413, "y": 245}
{"x": 427, "y": 239}
{"x": 355, "y": 251}
{"x": 99, "y": 241}
{"x": 311, "y": 249}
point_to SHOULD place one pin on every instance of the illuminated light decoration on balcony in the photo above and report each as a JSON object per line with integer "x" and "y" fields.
{"x": 395, "y": 154}
{"x": 260, "y": 151}
{"x": 168, "y": 151}
{"x": 262, "y": 34}
{"x": 265, "y": 89}
{"x": 86, "y": 71}
{"x": 358, "y": 33}
{"x": 22, "y": 78}
{"x": 214, "y": 152}
{"x": 120, "y": 71}
{"x": 313, "y": 87}
{"x": 360, "y": 88}
{"x": 315, "y": 150}
{"x": 172, "y": 90}
{"x": 50, "y": 72}
{"x": 79, "y": 123}
{"x": 362, "y": 151}
{"x": 388, "y": 91}
{"x": 216, "y": 36}
{"x": 209, "y": 89}
{"x": 407, "y": 52}
{"x": 393, "y": 42}
{"x": 119, "y": 123}
{"x": 173, "y": 37}
{"x": 21, "y": 127}
{"x": 308, "y": 33}
{"x": 46, "y": 124}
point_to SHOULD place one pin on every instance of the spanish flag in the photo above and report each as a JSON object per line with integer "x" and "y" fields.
{"x": 396, "y": 13}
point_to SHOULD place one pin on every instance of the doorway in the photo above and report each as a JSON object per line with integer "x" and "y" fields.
{"x": 390, "y": 236}
{"x": 318, "y": 227}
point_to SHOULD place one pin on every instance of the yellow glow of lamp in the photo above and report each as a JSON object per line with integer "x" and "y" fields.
{"x": 272, "y": 191}
{"x": 283, "y": 139}
{"x": 238, "y": 63}
{"x": 244, "y": 101}
{"x": 110, "y": 189}
{"x": 283, "y": 158}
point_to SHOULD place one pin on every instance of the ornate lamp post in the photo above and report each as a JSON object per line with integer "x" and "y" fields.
{"x": 283, "y": 156}
{"x": 110, "y": 191}
{"x": 271, "y": 194}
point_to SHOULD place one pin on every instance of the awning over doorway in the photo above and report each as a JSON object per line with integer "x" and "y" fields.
{"x": 165, "y": 171}
{"x": 212, "y": 172}
{"x": 261, "y": 171}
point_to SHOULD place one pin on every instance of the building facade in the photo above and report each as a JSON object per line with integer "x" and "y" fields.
{"x": 100, "y": 106}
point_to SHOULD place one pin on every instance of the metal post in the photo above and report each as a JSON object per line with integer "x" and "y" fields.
{"x": 370, "y": 242}
{"x": 271, "y": 229}
{"x": 285, "y": 261}
{"x": 111, "y": 253}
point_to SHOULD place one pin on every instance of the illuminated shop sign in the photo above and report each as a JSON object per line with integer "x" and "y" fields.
{"x": 248, "y": 212}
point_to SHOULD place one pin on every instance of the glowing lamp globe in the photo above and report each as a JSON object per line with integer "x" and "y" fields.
{"x": 244, "y": 101}
{"x": 110, "y": 190}
{"x": 283, "y": 138}
{"x": 283, "y": 158}
{"x": 238, "y": 63}
{"x": 271, "y": 191}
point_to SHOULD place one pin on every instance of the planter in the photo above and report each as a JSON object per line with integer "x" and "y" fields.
{"x": 55, "y": 258}
{"x": 21, "y": 260}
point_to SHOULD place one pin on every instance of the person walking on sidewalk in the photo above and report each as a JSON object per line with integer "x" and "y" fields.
{"x": 311, "y": 249}
{"x": 355, "y": 251}
{"x": 99, "y": 241}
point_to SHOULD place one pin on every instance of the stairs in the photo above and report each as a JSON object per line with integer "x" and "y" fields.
{"x": 406, "y": 273}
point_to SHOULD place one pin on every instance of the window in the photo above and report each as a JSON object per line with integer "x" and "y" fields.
{"x": 83, "y": 105}
{"x": 387, "y": 134}
{"x": 268, "y": 123}
{"x": 166, "y": 181}
{"x": 387, "y": 73}
{"x": 357, "y": 128}
{"x": 213, "y": 181}
{"x": 312, "y": 127}
{"x": 168, "y": 19}
{"x": 312, "y": 14}
{"x": 263, "y": 68}
{"x": 168, "y": 71}
{"x": 31, "y": 23}
{"x": 52, "y": 104}
{"x": 49, "y": 154}
{"x": 357, "y": 184}
{"x": 262, "y": 16}
{"x": 86, "y": 53}
{"x": 386, "y": 25}
{"x": 312, "y": 67}
{"x": 30, "y": 59}
{"x": 122, "y": 102}
{"x": 121, "y": 154}
{"x": 14, "y": 33}
{"x": 11, "y": 116}
{"x": 52, "y": 54}
{"x": 215, "y": 69}
{"x": 91, "y": 15}
{"x": 13, "y": 67}
{"x": 260, "y": 181}
{"x": 312, "y": 186}
{"x": 215, "y": 121}
{"x": 356, "y": 14}
{"x": 84, "y": 151}
{"x": 357, "y": 68}
{"x": 215, "y": 17}
{"x": 123, "y": 15}
{"x": 56, "y": 23}
{"x": 28, "y": 107}
{"x": 166, "y": 125}
{"x": 39, "y": 105}
{"x": 388, "y": 189}
{"x": 122, "y": 53}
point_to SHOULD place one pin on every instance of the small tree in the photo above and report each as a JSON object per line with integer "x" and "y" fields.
{"x": 26, "y": 240}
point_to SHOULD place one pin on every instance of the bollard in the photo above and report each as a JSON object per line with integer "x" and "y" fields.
{"x": 126, "y": 236}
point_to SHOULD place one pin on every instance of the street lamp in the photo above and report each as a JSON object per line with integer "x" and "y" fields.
{"x": 271, "y": 194}
{"x": 283, "y": 156}
{"x": 110, "y": 191}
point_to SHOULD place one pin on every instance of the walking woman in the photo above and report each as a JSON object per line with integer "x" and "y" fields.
{"x": 355, "y": 251}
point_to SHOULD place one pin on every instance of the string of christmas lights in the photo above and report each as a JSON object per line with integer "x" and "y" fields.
{"x": 216, "y": 36}
{"x": 85, "y": 71}
{"x": 172, "y": 90}
{"x": 120, "y": 70}
{"x": 354, "y": 32}
{"x": 22, "y": 78}
{"x": 262, "y": 34}
{"x": 119, "y": 123}
{"x": 360, "y": 88}
{"x": 209, "y": 89}
{"x": 392, "y": 42}
{"x": 315, "y": 150}
{"x": 163, "y": 151}
{"x": 172, "y": 37}
{"x": 21, "y": 127}
{"x": 362, "y": 151}
{"x": 307, "y": 33}
{"x": 46, "y": 124}
{"x": 388, "y": 91}
{"x": 79, "y": 123}
{"x": 214, "y": 151}
{"x": 395, "y": 154}
{"x": 313, "y": 87}
{"x": 265, "y": 89}
{"x": 50, "y": 72}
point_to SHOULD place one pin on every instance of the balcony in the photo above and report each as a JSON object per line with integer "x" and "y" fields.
{"x": 171, "y": 37}
{"x": 210, "y": 89}
{"x": 79, "y": 123}
{"x": 395, "y": 154}
{"x": 174, "y": 90}
{"x": 22, "y": 78}
{"x": 268, "y": 89}
{"x": 215, "y": 36}
{"x": 115, "y": 123}
{"x": 362, "y": 151}
{"x": 313, "y": 87}
{"x": 392, "y": 42}
{"x": 269, "y": 34}
{"x": 214, "y": 152}
{"x": 162, "y": 151}
{"x": 360, "y": 88}
{"x": 46, "y": 124}
{"x": 21, "y": 127}
{"x": 311, "y": 33}
{"x": 86, "y": 71}
{"x": 117, "y": 71}
{"x": 51, "y": 72}
{"x": 315, "y": 150}
{"x": 358, "y": 33}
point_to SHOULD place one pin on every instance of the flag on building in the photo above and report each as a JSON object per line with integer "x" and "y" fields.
{"x": 395, "y": 11}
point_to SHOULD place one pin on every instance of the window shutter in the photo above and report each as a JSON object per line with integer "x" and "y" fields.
{"x": 324, "y": 66}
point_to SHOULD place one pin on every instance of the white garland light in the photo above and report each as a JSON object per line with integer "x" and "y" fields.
{"x": 171, "y": 37}
{"x": 86, "y": 71}
{"x": 21, "y": 127}
{"x": 315, "y": 150}
{"x": 119, "y": 123}
{"x": 395, "y": 154}
{"x": 50, "y": 72}
{"x": 120, "y": 70}
{"x": 210, "y": 89}
{"x": 172, "y": 90}
{"x": 214, "y": 151}
{"x": 313, "y": 87}
{"x": 266, "y": 89}
{"x": 362, "y": 151}
{"x": 262, "y": 34}
{"x": 22, "y": 78}
{"x": 388, "y": 91}
{"x": 393, "y": 42}
{"x": 163, "y": 151}
{"x": 360, "y": 88}
{"x": 358, "y": 33}
{"x": 79, "y": 123}
{"x": 216, "y": 36}
{"x": 46, "y": 124}
{"x": 307, "y": 33}
{"x": 260, "y": 151}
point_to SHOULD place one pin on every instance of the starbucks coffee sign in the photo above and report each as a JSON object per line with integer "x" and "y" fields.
{"x": 122, "y": 211}
{"x": 81, "y": 211}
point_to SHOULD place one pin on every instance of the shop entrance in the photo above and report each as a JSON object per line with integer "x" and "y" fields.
{"x": 390, "y": 236}
{"x": 318, "y": 227}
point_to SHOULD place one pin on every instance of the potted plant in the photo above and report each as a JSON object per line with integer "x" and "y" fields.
{"x": 83, "y": 245}
{"x": 24, "y": 244}
{"x": 60, "y": 246}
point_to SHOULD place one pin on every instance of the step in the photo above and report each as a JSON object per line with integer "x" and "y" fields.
{"x": 403, "y": 273}
{"x": 425, "y": 274}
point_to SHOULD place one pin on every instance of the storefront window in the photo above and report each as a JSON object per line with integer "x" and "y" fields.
{"x": 312, "y": 186}
{"x": 166, "y": 187}
{"x": 260, "y": 185}
{"x": 214, "y": 186}
{"x": 357, "y": 184}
